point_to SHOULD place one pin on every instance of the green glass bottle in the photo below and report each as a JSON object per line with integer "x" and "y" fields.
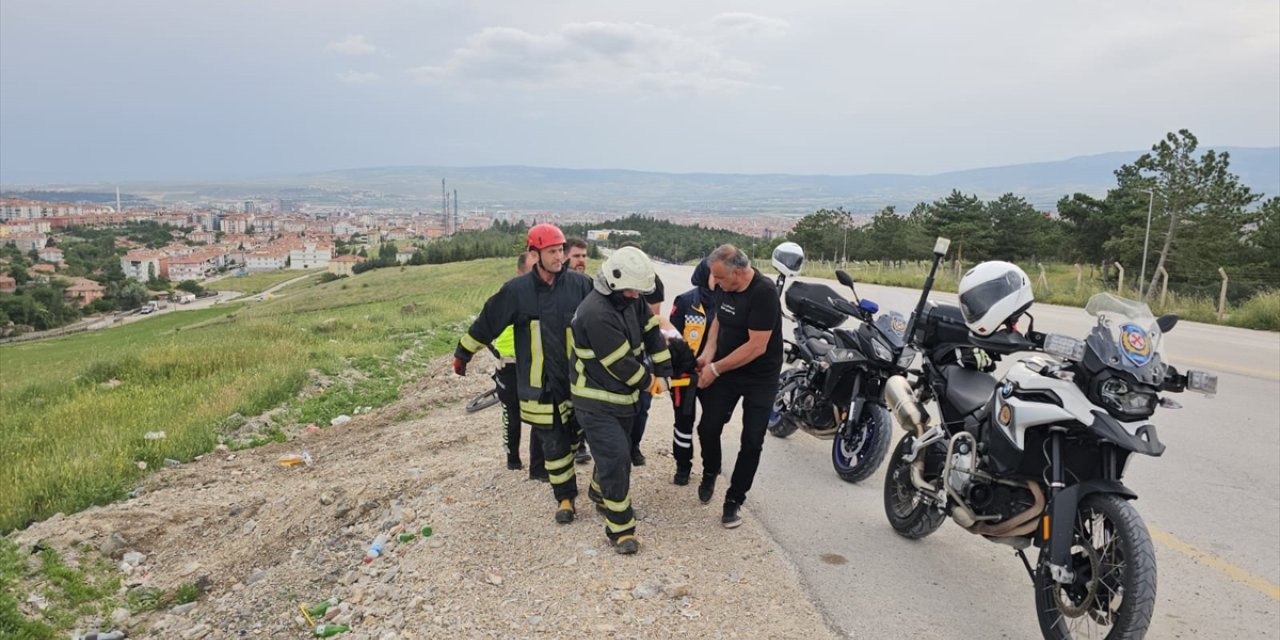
{"x": 321, "y": 608}
{"x": 330, "y": 630}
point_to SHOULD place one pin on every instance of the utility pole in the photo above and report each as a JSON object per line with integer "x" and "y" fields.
{"x": 444, "y": 210}
{"x": 1146, "y": 240}
{"x": 455, "y": 210}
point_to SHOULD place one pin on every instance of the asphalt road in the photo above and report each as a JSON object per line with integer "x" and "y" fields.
{"x": 1211, "y": 503}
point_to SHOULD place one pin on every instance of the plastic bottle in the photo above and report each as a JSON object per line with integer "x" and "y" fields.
{"x": 375, "y": 549}
{"x": 330, "y": 630}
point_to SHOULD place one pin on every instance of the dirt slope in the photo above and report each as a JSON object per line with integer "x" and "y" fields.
{"x": 265, "y": 537}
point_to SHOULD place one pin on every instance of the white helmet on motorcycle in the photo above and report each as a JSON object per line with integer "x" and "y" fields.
{"x": 788, "y": 259}
{"x": 628, "y": 268}
{"x": 991, "y": 294}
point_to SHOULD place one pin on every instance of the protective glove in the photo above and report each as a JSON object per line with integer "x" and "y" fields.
{"x": 459, "y": 366}
{"x": 659, "y": 386}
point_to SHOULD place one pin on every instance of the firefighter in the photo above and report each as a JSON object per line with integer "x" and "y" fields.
{"x": 613, "y": 332}
{"x": 505, "y": 345}
{"x": 539, "y": 305}
{"x": 691, "y": 315}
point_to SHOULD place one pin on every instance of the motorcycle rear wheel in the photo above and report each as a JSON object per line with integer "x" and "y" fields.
{"x": 1115, "y": 562}
{"x": 908, "y": 514}
{"x": 856, "y": 458}
{"x": 781, "y": 422}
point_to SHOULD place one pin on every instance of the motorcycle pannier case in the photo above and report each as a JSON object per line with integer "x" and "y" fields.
{"x": 809, "y": 301}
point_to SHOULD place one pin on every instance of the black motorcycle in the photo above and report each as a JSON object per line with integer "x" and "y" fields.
{"x": 835, "y": 388}
{"x": 1037, "y": 457}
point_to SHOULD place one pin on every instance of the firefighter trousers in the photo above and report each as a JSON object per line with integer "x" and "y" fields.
{"x": 559, "y": 442}
{"x": 608, "y": 432}
{"x": 511, "y": 420}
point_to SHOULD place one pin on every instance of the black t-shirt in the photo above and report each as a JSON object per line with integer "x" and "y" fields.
{"x": 754, "y": 309}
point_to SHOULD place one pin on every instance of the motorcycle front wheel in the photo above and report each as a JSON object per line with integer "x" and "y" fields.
{"x": 908, "y": 514}
{"x": 781, "y": 422}
{"x": 857, "y": 454}
{"x": 1114, "y": 593}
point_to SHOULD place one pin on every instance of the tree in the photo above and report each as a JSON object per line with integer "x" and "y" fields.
{"x": 191, "y": 286}
{"x": 962, "y": 219}
{"x": 1197, "y": 191}
{"x": 822, "y": 234}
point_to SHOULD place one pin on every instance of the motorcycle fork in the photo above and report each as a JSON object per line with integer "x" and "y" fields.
{"x": 855, "y": 408}
{"x": 1059, "y": 550}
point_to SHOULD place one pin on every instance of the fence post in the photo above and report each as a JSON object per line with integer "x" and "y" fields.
{"x": 1222, "y": 297}
{"x": 1044, "y": 282}
{"x": 1120, "y": 285}
{"x": 1164, "y": 284}
{"x": 1079, "y": 277}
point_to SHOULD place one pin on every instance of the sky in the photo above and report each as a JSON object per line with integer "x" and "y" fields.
{"x": 136, "y": 90}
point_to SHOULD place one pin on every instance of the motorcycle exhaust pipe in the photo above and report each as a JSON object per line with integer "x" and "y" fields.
{"x": 902, "y": 403}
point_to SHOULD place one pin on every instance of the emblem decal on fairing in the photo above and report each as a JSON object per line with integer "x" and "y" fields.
{"x": 1135, "y": 344}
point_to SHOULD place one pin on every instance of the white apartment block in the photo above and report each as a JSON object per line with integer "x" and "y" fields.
{"x": 310, "y": 256}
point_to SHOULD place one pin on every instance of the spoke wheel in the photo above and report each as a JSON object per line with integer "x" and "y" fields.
{"x": 1113, "y": 594}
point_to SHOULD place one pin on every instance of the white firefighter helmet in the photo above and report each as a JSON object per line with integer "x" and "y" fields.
{"x": 991, "y": 294}
{"x": 629, "y": 268}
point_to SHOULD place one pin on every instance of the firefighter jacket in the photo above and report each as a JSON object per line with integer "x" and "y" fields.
{"x": 692, "y": 319}
{"x": 539, "y": 315}
{"x": 611, "y": 336}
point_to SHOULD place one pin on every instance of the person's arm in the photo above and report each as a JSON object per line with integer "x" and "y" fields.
{"x": 709, "y": 345}
{"x": 656, "y": 345}
{"x": 497, "y": 314}
{"x": 609, "y": 347}
{"x": 762, "y": 320}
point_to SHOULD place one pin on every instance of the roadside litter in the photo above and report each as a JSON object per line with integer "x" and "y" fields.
{"x": 375, "y": 549}
{"x": 342, "y": 419}
{"x": 330, "y": 630}
{"x": 295, "y": 459}
{"x": 154, "y": 435}
{"x": 102, "y": 635}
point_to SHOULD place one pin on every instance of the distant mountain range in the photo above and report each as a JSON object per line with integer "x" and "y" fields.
{"x": 617, "y": 190}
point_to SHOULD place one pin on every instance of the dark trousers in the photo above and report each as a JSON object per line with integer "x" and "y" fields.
{"x": 559, "y": 442}
{"x": 511, "y": 420}
{"x": 718, "y": 401}
{"x": 641, "y": 420}
{"x": 684, "y": 400}
{"x": 608, "y": 432}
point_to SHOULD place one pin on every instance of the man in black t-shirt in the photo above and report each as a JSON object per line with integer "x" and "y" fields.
{"x": 741, "y": 360}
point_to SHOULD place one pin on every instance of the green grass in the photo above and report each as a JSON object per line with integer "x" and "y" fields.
{"x": 1062, "y": 285}
{"x": 259, "y": 282}
{"x": 72, "y": 441}
{"x": 89, "y": 586}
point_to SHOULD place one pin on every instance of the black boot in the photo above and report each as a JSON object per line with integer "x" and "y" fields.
{"x": 707, "y": 487}
{"x": 681, "y": 478}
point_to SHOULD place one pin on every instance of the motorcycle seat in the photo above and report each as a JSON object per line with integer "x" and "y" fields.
{"x": 968, "y": 390}
{"x": 818, "y": 347}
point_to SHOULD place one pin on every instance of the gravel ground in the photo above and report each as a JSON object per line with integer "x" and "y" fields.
{"x": 263, "y": 538}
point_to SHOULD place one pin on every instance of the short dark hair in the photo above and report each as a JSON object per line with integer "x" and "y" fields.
{"x": 730, "y": 256}
{"x": 575, "y": 243}
{"x": 522, "y": 261}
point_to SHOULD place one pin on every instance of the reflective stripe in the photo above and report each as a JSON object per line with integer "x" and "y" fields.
{"x": 638, "y": 350}
{"x": 618, "y": 507}
{"x": 684, "y": 445}
{"x": 560, "y": 462}
{"x": 606, "y": 396}
{"x": 535, "y": 354}
{"x": 661, "y": 356}
{"x": 617, "y": 355}
{"x": 619, "y": 528}
{"x": 535, "y": 412}
{"x": 469, "y": 343}
{"x": 653, "y": 322}
{"x": 568, "y": 342}
{"x": 635, "y": 378}
{"x": 561, "y": 478}
{"x": 585, "y": 354}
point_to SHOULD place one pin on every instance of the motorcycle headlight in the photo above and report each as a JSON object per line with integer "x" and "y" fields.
{"x": 907, "y": 357}
{"x": 1125, "y": 401}
{"x": 881, "y": 352}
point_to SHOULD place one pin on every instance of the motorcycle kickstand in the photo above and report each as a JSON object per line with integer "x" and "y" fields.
{"x": 1030, "y": 573}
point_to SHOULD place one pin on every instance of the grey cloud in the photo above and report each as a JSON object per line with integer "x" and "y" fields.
{"x": 751, "y": 25}
{"x": 616, "y": 56}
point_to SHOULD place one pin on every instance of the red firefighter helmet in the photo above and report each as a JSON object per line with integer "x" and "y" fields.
{"x": 545, "y": 235}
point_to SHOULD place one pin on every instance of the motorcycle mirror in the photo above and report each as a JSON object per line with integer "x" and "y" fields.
{"x": 940, "y": 246}
{"x": 844, "y": 278}
{"x": 1167, "y": 322}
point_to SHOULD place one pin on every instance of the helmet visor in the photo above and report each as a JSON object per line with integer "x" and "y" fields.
{"x": 976, "y": 302}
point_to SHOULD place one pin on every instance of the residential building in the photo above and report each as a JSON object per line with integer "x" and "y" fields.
{"x": 26, "y": 241}
{"x": 344, "y": 265}
{"x": 405, "y": 254}
{"x": 50, "y": 254}
{"x": 194, "y": 266}
{"x": 8, "y": 284}
{"x": 84, "y": 291}
{"x": 310, "y": 256}
{"x": 267, "y": 259}
{"x": 143, "y": 264}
